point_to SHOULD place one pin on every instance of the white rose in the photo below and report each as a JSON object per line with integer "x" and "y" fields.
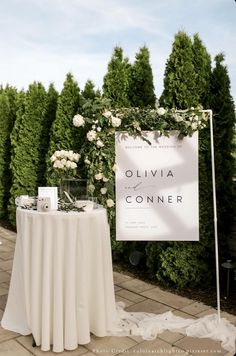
{"x": 55, "y": 164}
{"x": 53, "y": 158}
{"x": 63, "y": 153}
{"x": 114, "y": 168}
{"x": 105, "y": 179}
{"x": 58, "y": 164}
{"x": 76, "y": 157}
{"x": 87, "y": 161}
{"x": 70, "y": 155}
{"x": 161, "y": 111}
{"x": 110, "y": 203}
{"x": 73, "y": 165}
{"x": 107, "y": 114}
{"x": 99, "y": 129}
{"x": 98, "y": 176}
{"x": 115, "y": 121}
{"x": 94, "y": 127}
{"x": 91, "y": 135}
{"x": 57, "y": 153}
{"x": 91, "y": 188}
{"x": 103, "y": 190}
{"x": 78, "y": 120}
{"x": 100, "y": 143}
{"x": 68, "y": 164}
{"x": 194, "y": 125}
{"x": 63, "y": 162}
{"x": 178, "y": 118}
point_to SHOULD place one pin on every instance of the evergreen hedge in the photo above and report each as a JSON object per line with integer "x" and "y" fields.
{"x": 116, "y": 82}
{"x": 141, "y": 86}
{"x": 186, "y": 84}
{"x": 63, "y": 134}
{"x": 8, "y": 107}
{"x": 26, "y": 140}
{"x": 224, "y": 123}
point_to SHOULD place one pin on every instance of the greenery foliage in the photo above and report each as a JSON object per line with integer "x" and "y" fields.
{"x": 26, "y": 139}
{"x": 8, "y": 108}
{"x": 180, "y": 76}
{"x": 89, "y": 91}
{"x": 202, "y": 68}
{"x": 187, "y": 83}
{"x": 100, "y": 123}
{"x": 117, "y": 80}
{"x": 50, "y": 115}
{"x": 141, "y": 80}
{"x": 63, "y": 135}
{"x": 224, "y": 124}
{"x": 43, "y": 124}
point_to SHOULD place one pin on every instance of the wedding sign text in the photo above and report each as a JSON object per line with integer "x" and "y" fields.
{"x": 157, "y": 187}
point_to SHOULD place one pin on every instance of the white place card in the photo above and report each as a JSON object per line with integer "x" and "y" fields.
{"x": 49, "y": 192}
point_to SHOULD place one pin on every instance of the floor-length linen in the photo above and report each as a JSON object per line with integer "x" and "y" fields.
{"x": 61, "y": 285}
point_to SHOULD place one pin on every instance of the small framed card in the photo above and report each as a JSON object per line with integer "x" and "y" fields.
{"x": 49, "y": 192}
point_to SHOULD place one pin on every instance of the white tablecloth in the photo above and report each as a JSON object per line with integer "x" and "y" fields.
{"x": 62, "y": 285}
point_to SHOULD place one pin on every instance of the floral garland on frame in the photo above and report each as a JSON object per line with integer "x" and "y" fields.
{"x": 99, "y": 123}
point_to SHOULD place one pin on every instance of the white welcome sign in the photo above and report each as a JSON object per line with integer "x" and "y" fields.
{"x": 157, "y": 187}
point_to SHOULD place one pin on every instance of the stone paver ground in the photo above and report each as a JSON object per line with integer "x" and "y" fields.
{"x": 137, "y": 296}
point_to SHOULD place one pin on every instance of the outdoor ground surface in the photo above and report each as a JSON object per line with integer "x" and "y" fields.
{"x": 204, "y": 294}
{"x": 137, "y": 296}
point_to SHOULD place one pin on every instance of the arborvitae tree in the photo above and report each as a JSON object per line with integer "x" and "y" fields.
{"x": 141, "y": 80}
{"x": 63, "y": 134}
{"x": 89, "y": 91}
{"x": 180, "y": 76}
{"x": 202, "y": 67}
{"x": 223, "y": 121}
{"x": 8, "y": 110}
{"x": 50, "y": 116}
{"x": 26, "y": 141}
{"x": 116, "y": 81}
{"x": 184, "y": 87}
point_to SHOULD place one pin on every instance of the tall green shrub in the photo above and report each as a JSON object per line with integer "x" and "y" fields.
{"x": 180, "y": 76}
{"x": 89, "y": 90}
{"x": 186, "y": 84}
{"x": 117, "y": 80}
{"x": 26, "y": 139}
{"x": 141, "y": 80}
{"x": 224, "y": 122}
{"x": 63, "y": 134}
{"x": 50, "y": 115}
{"x": 8, "y": 106}
{"x": 202, "y": 67}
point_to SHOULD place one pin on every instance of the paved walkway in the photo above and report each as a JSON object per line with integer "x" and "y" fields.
{"x": 137, "y": 296}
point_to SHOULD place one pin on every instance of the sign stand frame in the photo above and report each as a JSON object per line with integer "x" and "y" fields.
{"x": 215, "y": 212}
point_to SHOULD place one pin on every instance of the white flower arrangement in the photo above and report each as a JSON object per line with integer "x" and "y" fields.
{"x": 65, "y": 160}
{"x": 91, "y": 135}
{"x": 161, "y": 111}
{"x": 100, "y": 124}
{"x": 103, "y": 190}
{"x": 110, "y": 203}
{"x": 107, "y": 114}
{"x": 115, "y": 121}
{"x": 98, "y": 176}
{"x": 78, "y": 120}
{"x": 100, "y": 143}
